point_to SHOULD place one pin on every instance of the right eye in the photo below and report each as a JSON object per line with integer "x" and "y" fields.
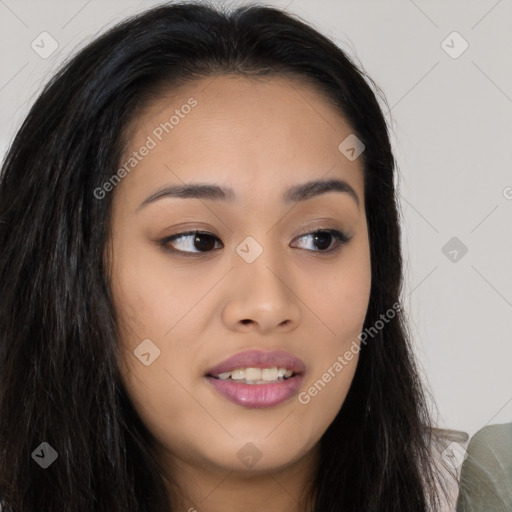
{"x": 202, "y": 241}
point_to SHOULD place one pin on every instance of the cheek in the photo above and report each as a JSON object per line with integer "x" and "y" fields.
{"x": 341, "y": 303}
{"x": 324, "y": 394}
{"x": 149, "y": 296}
{"x": 150, "y": 299}
{"x": 341, "y": 298}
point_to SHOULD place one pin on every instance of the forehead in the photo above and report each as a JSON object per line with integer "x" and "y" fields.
{"x": 257, "y": 135}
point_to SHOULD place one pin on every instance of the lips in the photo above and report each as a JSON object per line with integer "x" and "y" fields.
{"x": 259, "y": 395}
{"x": 258, "y": 359}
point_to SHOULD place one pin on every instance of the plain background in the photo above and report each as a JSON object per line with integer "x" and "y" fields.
{"x": 451, "y": 117}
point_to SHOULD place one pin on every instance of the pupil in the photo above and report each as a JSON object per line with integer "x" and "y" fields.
{"x": 204, "y": 246}
{"x": 321, "y": 238}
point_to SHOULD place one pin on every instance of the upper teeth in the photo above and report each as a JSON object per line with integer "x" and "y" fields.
{"x": 255, "y": 374}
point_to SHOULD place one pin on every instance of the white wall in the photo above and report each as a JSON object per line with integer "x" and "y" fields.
{"x": 452, "y": 122}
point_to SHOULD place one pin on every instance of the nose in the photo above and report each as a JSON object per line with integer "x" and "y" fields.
{"x": 261, "y": 297}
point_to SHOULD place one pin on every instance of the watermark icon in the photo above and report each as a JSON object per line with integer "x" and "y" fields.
{"x": 44, "y": 455}
{"x": 351, "y": 147}
{"x": 249, "y": 455}
{"x": 507, "y": 193}
{"x": 454, "y": 249}
{"x": 454, "y": 45}
{"x": 249, "y": 249}
{"x": 343, "y": 360}
{"x": 151, "y": 143}
{"x": 146, "y": 352}
{"x": 454, "y": 455}
{"x": 44, "y": 45}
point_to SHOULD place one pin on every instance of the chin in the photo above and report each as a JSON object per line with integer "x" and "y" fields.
{"x": 253, "y": 456}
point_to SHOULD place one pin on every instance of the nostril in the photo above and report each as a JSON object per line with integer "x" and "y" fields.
{"x": 246, "y": 321}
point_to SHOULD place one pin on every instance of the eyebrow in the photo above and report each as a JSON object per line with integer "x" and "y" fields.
{"x": 294, "y": 194}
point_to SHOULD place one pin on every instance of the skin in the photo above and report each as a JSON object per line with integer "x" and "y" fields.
{"x": 260, "y": 137}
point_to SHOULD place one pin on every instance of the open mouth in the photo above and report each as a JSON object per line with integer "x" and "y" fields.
{"x": 257, "y": 379}
{"x": 248, "y": 389}
{"x": 256, "y": 376}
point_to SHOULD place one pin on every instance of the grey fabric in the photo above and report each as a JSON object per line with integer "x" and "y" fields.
{"x": 486, "y": 475}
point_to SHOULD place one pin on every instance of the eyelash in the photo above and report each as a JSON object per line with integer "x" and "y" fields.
{"x": 340, "y": 238}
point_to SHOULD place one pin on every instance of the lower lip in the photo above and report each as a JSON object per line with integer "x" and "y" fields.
{"x": 257, "y": 396}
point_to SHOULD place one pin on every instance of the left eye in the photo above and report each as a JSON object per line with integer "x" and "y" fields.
{"x": 325, "y": 237}
{"x": 196, "y": 242}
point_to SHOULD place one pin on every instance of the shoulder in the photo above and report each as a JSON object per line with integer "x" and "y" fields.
{"x": 489, "y": 454}
{"x": 486, "y": 478}
{"x": 492, "y": 442}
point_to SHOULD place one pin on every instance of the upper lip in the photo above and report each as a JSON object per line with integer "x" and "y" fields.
{"x": 259, "y": 359}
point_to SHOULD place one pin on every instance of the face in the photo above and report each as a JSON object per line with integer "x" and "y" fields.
{"x": 278, "y": 277}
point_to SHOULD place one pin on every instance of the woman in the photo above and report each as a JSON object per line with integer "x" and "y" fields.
{"x": 200, "y": 278}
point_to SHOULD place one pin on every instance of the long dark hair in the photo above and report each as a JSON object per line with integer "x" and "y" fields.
{"x": 59, "y": 377}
